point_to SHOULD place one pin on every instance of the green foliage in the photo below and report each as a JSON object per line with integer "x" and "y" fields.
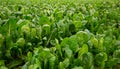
{"x": 65, "y": 34}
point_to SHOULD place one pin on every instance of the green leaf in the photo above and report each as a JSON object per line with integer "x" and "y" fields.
{"x": 15, "y": 63}
{"x": 116, "y": 54}
{"x": 95, "y": 42}
{"x": 61, "y": 66}
{"x": 70, "y": 43}
{"x": 20, "y": 42}
{"x": 15, "y": 52}
{"x": 3, "y": 67}
{"x": 44, "y": 20}
{"x": 68, "y": 52}
{"x": 46, "y": 29}
{"x": 66, "y": 62}
{"x": 25, "y": 29}
{"x": 74, "y": 46}
{"x": 101, "y": 57}
{"x": 58, "y": 47}
{"x": 1, "y": 39}
{"x": 83, "y": 50}
{"x": 21, "y": 23}
{"x": 82, "y": 37}
{"x": 78, "y": 67}
{"x": 25, "y": 66}
{"x": 52, "y": 62}
{"x": 34, "y": 66}
{"x": 101, "y": 41}
{"x": 33, "y": 32}
{"x": 88, "y": 60}
{"x": 29, "y": 56}
{"x": 111, "y": 62}
{"x": 2, "y": 62}
{"x": 45, "y": 54}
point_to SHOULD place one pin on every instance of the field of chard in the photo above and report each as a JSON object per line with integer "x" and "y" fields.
{"x": 60, "y": 34}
